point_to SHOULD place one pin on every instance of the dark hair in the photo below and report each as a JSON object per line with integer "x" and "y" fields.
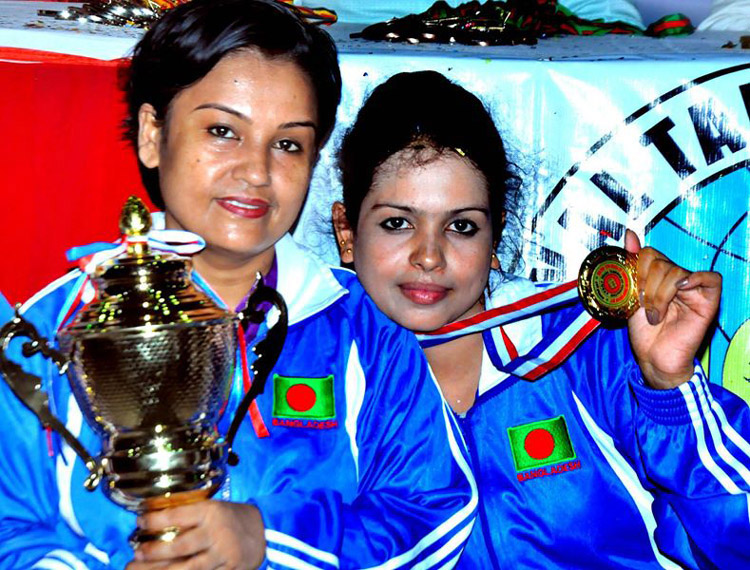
{"x": 422, "y": 108}
{"x": 189, "y": 40}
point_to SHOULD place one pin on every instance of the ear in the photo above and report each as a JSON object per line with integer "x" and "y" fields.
{"x": 149, "y": 136}
{"x": 344, "y": 233}
{"x": 494, "y": 261}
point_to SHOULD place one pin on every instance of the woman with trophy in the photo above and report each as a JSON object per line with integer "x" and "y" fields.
{"x": 591, "y": 448}
{"x": 348, "y": 459}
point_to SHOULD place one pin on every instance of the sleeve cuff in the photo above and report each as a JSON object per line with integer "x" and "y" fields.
{"x": 666, "y": 407}
{"x": 291, "y": 545}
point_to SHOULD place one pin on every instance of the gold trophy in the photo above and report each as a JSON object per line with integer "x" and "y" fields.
{"x": 150, "y": 361}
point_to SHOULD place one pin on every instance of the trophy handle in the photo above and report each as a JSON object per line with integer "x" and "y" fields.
{"x": 28, "y": 388}
{"x": 268, "y": 351}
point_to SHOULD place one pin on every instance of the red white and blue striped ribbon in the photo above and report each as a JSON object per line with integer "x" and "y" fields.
{"x": 174, "y": 241}
{"x": 551, "y": 351}
{"x": 93, "y": 254}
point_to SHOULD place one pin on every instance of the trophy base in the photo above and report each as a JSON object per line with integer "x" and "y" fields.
{"x": 140, "y": 536}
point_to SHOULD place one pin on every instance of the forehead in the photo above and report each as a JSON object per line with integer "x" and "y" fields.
{"x": 248, "y": 80}
{"x": 424, "y": 177}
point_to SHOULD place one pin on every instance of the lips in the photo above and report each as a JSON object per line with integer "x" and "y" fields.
{"x": 245, "y": 207}
{"x": 423, "y": 293}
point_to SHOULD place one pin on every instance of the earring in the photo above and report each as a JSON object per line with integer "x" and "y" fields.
{"x": 342, "y": 243}
{"x": 348, "y": 250}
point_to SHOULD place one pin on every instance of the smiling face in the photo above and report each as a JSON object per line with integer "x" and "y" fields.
{"x": 235, "y": 155}
{"x": 423, "y": 242}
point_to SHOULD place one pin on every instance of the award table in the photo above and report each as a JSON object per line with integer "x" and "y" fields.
{"x": 607, "y": 133}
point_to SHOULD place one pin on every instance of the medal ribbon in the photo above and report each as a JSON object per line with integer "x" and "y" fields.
{"x": 551, "y": 351}
{"x": 90, "y": 255}
{"x": 174, "y": 241}
{"x": 253, "y": 411}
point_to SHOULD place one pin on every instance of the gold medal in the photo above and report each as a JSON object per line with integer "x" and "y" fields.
{"x": 607, "y": 283}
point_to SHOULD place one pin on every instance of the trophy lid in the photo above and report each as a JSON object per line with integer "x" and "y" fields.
{"x": 142, "y": 287}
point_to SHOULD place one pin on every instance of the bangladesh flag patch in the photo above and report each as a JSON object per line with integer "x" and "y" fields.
{"x": 540, "y": 443}
{"x": 298, "y": 397}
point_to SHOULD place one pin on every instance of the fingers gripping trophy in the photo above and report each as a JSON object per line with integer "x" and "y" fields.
{"x": 150, "y": 361}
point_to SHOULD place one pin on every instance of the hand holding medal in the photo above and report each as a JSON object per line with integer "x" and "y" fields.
{"x": 678, "y": 306}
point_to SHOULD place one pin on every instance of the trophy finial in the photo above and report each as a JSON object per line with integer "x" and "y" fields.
{"x": 135, "y": 219}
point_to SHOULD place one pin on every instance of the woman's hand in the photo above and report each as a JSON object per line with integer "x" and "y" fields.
{"x": 213, "y": 534}
{"x": 677, "y": 308}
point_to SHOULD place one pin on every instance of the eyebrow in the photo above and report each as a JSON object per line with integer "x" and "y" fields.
{"x": 242, "y": 116}
{"x": 411, "y": 210}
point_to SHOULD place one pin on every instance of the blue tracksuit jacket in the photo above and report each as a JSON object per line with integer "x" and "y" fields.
{"x": 383, "y": 484}
{"x": 630, "y": 477}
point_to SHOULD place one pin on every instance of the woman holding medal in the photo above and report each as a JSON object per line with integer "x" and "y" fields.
{"x": 230, "y": 102}
{"x": 618, "y": 454}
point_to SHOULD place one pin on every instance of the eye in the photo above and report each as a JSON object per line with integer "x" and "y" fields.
{"x": 288, "y": 146}
{"x": 222, "y": 132}
{"x": 463, "y": 227}
{"x": 395, "y": 224}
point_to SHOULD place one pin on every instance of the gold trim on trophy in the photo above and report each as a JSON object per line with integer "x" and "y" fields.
{"x": 608, "y": 284}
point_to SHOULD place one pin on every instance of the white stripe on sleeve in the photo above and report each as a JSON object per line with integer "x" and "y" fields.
{"x": 714, "y": 430}
{"x": 60, "y": 559}
{"x": 700, "y": 439}
{"x": 64, "y": 467}
{"x": 296, "y": 544}
{"x": 288, "y": 561}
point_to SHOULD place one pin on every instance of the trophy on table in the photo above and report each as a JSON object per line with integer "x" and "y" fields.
{"x": 150, "y": 361}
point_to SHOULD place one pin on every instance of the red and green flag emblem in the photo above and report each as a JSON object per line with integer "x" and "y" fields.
{"x": 297, "y": 397}
{"x": 540, "y": 443}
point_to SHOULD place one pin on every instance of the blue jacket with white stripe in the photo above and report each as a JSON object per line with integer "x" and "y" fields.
{"x": 383, "y": 484}
{"x": 631, "y": 477}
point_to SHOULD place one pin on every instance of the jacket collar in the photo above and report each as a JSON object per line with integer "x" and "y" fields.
{"x": 306, "y": 283}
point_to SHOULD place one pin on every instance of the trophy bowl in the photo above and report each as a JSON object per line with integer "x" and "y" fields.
{"x": 150, "y": 361}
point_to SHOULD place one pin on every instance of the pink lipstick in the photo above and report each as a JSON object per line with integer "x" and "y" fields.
{"x": 245, "y": 207}
{"x": 423, "y": 293}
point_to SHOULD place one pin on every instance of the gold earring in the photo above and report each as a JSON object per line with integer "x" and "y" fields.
{"x": 348, "y": 250}
{"x": 342, "y": 243}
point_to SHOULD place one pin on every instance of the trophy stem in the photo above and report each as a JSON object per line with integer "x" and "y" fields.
{"x": 140, "y": 536}
{"x": 175, "y": 499}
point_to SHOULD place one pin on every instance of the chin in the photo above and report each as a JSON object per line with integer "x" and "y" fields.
{"x": 420, "y": 325}
{"x": 420, "y": 321}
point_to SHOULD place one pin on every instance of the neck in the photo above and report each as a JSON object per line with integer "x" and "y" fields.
{"x": 457, "y": 365}
{"x": 231, "y": 277}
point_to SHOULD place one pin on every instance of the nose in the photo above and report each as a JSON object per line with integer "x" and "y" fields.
{"x": 254, "y": 166}
{"x": 427, "y": 252}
